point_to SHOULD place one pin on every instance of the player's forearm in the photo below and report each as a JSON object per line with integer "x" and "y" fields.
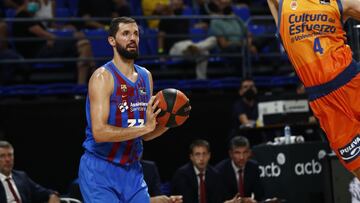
{"x": 156, "y": 133}
{"x": 40, "y": 32}
{"x": 273, "y": 6}
{"x": 351, "y": 9}
{"x": 109, "y": 133}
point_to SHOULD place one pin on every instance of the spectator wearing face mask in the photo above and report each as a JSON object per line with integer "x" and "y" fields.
{"x": 245, "y": 109}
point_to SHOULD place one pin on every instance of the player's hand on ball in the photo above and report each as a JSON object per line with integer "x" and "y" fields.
{"x": 152, "y": 113}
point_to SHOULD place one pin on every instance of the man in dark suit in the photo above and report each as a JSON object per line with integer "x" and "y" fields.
{"x": 16, "y": 185}
{"x": 240, "y": 175}
{"x": 151, "y": 177}
{"x": 187, "y": 179}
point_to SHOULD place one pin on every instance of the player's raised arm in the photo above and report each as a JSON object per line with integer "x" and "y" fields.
{"x": 351, "y": 8}
{"x": 274, "y": 8}
{"x": 101, "y": 86}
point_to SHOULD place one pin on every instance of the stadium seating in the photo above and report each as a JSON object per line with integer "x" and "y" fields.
{"x": 61, "y": 33}
{"x": 242, "y": 12}
{"x": 99, "y": 43}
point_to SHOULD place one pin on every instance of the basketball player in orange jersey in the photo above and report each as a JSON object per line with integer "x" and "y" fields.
{"x": 312, "y": 34}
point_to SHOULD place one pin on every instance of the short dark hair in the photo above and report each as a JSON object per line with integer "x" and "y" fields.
{"x": 238, "y": 141}
{"x": 114, "y": 25}
{"x": 199, "y": 143}
{"x": 5, "y": 144}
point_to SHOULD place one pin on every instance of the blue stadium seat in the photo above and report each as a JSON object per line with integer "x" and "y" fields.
{"x": 63, "y": 13}
{"x": 152, "y": 41}
{"x": 10, "y": 13}
{"x": 73, "y": 6}
{"x": 143, "y": 45}
{"x": 99, "y": 43}
{"x": 62, "y": 32}
{"x": 198, "y": 34}
{"x": 187, "y": 11}
{"x": 59, "y": 33}
{"x": 188, "y": 3}
{"x": 136, "y": 8}
{"x": 242, "y": 12}
{"x": 61, "y": 3}
{"x": 257, "y": 29}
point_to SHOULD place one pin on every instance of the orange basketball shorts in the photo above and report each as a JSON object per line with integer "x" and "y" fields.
{"x": 339, "y": 116}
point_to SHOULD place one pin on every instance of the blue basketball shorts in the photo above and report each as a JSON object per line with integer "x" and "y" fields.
{"x": 101, "y": 181}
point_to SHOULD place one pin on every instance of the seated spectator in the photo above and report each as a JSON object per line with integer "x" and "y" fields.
{"x": 109, "y": 9}
{"x": 17, "y": 185}
{"x": 8, "y": 70}
{"x": 151, "y": 177}
{"x": 46, "y": 44}
{"x": 245, "y": 109}
{"x": 46, "y": 10}
{"x": 239, "y": 173}
{"x": 121, "y": 8}
{"x": 245, "y": 3}
{"x": 206, "y": 8}
{"x": 13, "y": 4}
{"x": 182, "y": 46}
{"x": 153, "y": 8}
{"x": 231, "y": 33}
{"x": 197, "y": 181}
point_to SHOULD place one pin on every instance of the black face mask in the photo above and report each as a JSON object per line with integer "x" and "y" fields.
{"x": 178, "y": 11}
{"x": 250, "y": 94}
{"x": 227, "y": 10}
{"x": 126, "y": 54}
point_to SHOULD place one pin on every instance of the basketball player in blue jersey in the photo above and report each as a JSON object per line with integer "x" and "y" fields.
{"x": 120, "y": 113}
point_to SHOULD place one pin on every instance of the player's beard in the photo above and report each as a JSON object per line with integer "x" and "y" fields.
{"x": 125, "y": 53}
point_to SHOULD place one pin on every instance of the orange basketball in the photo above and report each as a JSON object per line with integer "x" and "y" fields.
{"x": 175, "y": 107}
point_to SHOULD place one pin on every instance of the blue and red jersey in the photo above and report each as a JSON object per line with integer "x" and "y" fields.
{"x": 128, "y": 104}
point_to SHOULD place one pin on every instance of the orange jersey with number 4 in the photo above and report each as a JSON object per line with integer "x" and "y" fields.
{"x": 313, "y": 36}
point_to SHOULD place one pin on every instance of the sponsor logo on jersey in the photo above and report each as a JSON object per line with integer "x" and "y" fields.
{"x": 123, "y": 88}
{"x": 313, "y": 24}
{"x": 138, "y": 106}
{"x": 293, "y": 5}
{"x": 142, "y": 91}
{"x": 350, "y": 151}
{"x": 123, "y": 106}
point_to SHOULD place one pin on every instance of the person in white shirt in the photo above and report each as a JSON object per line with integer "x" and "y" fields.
{"x": 16, "y": 186}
